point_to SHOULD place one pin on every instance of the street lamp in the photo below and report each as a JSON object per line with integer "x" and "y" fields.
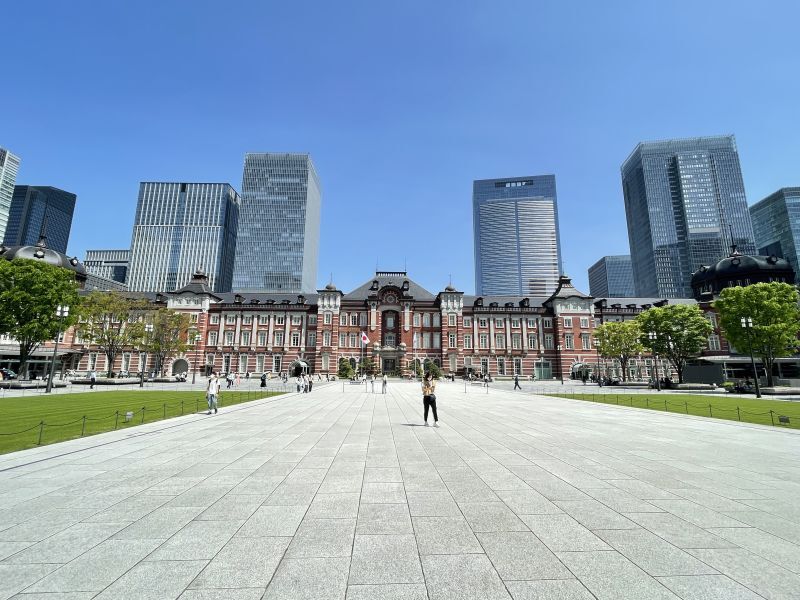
{"x": 747, "y": 324}
{"x": 651, "y": 335}
{"x": 62, "y": 312}
{"x": 148, "y": 329}
{"x": 197, "y": 338}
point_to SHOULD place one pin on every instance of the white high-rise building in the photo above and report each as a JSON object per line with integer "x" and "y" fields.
{"x": 180, "y": 228}
{"x": 9, "y": 165}
{"x": 277, "y": 245}
{"x": 517, "y": 248}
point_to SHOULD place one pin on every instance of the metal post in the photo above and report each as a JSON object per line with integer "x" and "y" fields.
{"x": 41, "y": 430}
{"x": 83, "y": 427}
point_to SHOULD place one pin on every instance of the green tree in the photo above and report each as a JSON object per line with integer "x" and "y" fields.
{"x": 619, "y": 340}
{"x": 105, "y": 322}
{"x": 776, "y": 320}
{"x": 30, "y": 294}
{"x": 367, "y": 365}
{"x": 345, "y": 369}
{"x": 432, "y": 368}
{"x": 681, "y": 332}
{"x": 163, "y": 333}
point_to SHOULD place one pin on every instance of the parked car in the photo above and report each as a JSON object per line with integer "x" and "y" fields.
{"x": 7, "y": 374}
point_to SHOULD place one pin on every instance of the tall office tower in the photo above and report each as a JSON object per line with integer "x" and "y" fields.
{"x": 517, "y": 248}
{"x": 278, "y": 242}
{"x": 111, "y": 264}
{"x": 179, "y": 228}
{"x": 685, "y": 205}
{"x": 40, "y": 210}
{"x": 776, "y": 224}
{"x": 612, "y": 277}
{"x": 9, "y": 165}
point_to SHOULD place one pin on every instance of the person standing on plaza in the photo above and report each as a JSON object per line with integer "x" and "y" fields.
{"x": 212, "y": 392}
{"x": 263, "y": 380}
{"x": 92, "y": 378}
{"x": 238, "y": 379}
{"x": 372, "y": 382}
{"x": 229, "y": 380}
{"x": 516, "y": 383}
{"x": 429, "y": 398}
{"x": 299, "y": 382}
{"x": 384, "y": 383}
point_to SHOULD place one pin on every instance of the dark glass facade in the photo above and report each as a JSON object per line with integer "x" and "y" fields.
{"x": 40, "y": 210}
{"x": 776, "y": 223}
{"x": 685, "y": 206}
{"x": 612, "y": 277}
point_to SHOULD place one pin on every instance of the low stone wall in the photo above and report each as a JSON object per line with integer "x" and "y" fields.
{"x": 16, "y": 384}
{"x": 107, "y": 381}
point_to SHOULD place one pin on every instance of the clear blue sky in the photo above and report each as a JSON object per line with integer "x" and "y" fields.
{"x": 401, "y": 106}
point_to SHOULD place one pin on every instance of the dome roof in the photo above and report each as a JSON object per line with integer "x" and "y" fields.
{"x": 741, "y": 269}
{"x": 41, "y": 252}
{"x": 330, "y": 287}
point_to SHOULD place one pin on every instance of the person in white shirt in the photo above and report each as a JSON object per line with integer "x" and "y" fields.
{"x": 384, "y": 384}
{"x": 212, "y": 392}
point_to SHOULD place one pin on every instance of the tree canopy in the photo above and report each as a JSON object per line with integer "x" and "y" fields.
{"x": 166, "y": 335}
{"x": 30, "y": 294}
{"x": 345, "y": 369}
{"x": 620, "y": 340}
{"x": 681, "y": 332}
{"x": 106, "y": 322}
{"x": 775, "y": 316}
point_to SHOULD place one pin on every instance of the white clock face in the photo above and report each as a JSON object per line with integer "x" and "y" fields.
{"x": 390, "y": 299}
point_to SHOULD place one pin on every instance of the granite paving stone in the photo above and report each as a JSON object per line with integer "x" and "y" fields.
{"x": 340, "y": 495}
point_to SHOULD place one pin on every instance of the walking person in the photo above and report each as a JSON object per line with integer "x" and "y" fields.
{"x": 263, "y": 380}
{"x": 516, "y": 383}
{"x": 310, "y": 383}
{"x": 212, "y": 392}
{"x": 372, "y": 382}
{"x": 384, "y": 383}
{"x": 429, "y": 398}
{"x": 299, "y": 382}
{"x": 92, "y": 378}
{"x": 229, "y": 380}
{"x": 238, "y": 379}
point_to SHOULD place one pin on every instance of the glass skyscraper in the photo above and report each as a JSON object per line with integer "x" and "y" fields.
{"x": 40, "y": 210}
{"x": 110, "y": 264}
{"x": 776, "y": 224}
{"x": 612, "y": 277}
{"x": 9, "y": 165}
{"x": 685, "y": 205}
{"x": 180, "y": 228}
{"x": 517, "y": 248}
{"x": 278, "y": 244}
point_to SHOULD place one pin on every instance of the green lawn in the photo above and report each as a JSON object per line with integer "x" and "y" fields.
{"x": 63, "y": 414}
{"x": 749, "y": 410}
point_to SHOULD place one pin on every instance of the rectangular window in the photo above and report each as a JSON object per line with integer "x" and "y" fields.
{"x": 567, "y": 322}
{"x": 212, "y": 338}
{"x": 584, "y": 322}
{"x": 325, "y": 362}
{"x": 295, "y": 338}
{"x": 342, "y": 340}
{"x": 280, "y": 320}
{"x": 353, "y": 319}
{"x": 547, "y": 323}
{"x": 531, "y": 323}
{"x": 326, "y": 338}
{"x": 215, "y": 319}
{"x": 483, "y": 322}
{"x": 467, "y": 321}
{"x": 312, "y": 319}
{"x": 230, "y": 319}
{"x": 193, "y": 318}
{"x": 247, "y": 320}
{"x": 245, "y": 338}
{"x": 498, "y": 323}
{"x": 342, "y": 319}
{"x": 312, "y": 340}
{"x": 517, "y": 366}
{"x": 548, "y": 341}
{"x": 362, "y": 319}
{"x": 426, "y": 340}
{"x": 515, "y": 323}
{"x": 453, "y": 363}
{"x": 263, "y": 319}
{"x": 451, "y": 320}
{"x": 243, "y": 363}
{"x": 713, "y": 342}
{"x": 516, "y": 341}
{"x": 484, "y": 340}
{"x": 532, "y": 341}
{"x": 260, "y": 363}
{"x": 437, "y": 320}
{"x": 569, "y": 343}
{"x": 499, "y": 341}
{"x": 354, "y": 340}
{"x": 297, "y": 320}
{"x": 712, "y": 318}
{"x": 586, "y": 341}
{"x": 126, "y": 361}
{"x": 390, "y": 322}
{"x": 468, "y": 342}
{"x": 276, "y": 363}
{"x": 327, "y": 318}
{"x": 93, "y": 361}
{"x": 426, "y": 320}
{"x": 416, "y": 319}
{"x": 389, "y": 339}
{"x": 437, "y": 340}
{"x": 279, "y": 338}
{"x": 229, "y": 338}
{"x": 451, "y": 340}
{"x": 262, "y": 338}
{"x": 501, "y": 366}
{"x": 484, "y": 365}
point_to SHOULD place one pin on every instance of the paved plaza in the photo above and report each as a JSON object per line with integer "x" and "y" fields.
{"x": 344, "y": 494}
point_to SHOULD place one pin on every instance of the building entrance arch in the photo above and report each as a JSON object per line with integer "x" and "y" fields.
{"x": 298, "y": 367}
{"x": 180, "y": 366}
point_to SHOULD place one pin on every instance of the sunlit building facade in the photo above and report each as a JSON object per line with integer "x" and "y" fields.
{"x": 612, "y": 276}
{"x": 776, "y": 224}
{"x": 40, "y": 211}
{"x": 9, "y": 165}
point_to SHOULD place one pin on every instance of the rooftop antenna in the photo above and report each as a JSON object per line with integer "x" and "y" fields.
{"x": 405, "y": 265}
{"x": 733, "y": 244}
{"x": 43, "y": 232}
{"x": 450, "y": 276}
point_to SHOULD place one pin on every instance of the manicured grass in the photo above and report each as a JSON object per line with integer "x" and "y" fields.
{"x": 749, "y": 410}
{"x": 63, "y": 414}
